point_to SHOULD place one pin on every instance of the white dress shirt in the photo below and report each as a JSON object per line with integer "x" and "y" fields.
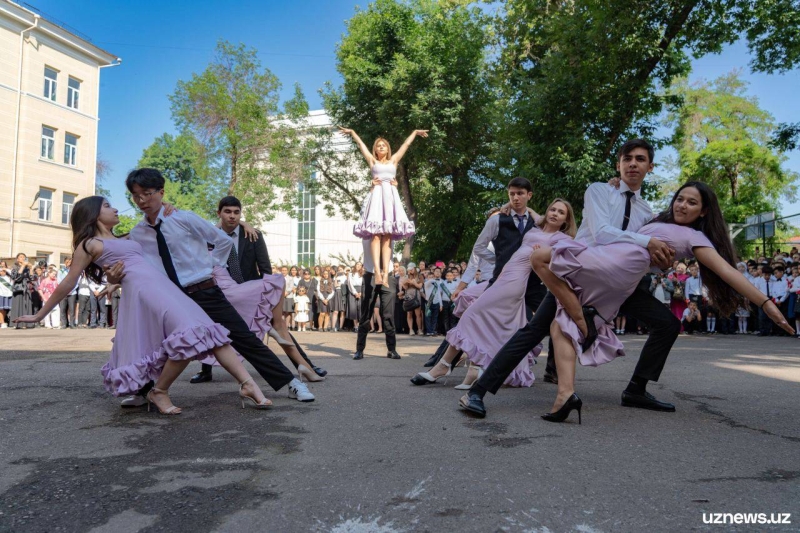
{"x": 693, "y": 286}
{"x": 489, "y": 233}
{"x": 779, "y": 289}
{"x": 188, "y": 237}
{"x": 761, "y": 284}
{"x": 603, "y": 214}
{"x": 478, "y": 263}
{"x": 235, "y": 238}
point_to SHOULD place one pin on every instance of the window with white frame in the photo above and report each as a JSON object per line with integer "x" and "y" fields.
{"x": 306, "y": 230}
{"x": 70, "y": 149}
{"x": 73, "y": 92}
{"x": 48, "y": 143}
{"x": 50, "y": 83}
{"x": 45, "y": 204}
{"x": 67, "y": 201}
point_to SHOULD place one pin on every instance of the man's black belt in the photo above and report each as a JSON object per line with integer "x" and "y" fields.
{"x": 201, "y": 286}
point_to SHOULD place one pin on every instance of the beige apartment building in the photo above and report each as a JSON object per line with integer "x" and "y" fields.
{"x": 49, "y": 101}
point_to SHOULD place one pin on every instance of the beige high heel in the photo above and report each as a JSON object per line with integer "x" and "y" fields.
{"x": 283, "y": 342}
{"x": 266, "y": 404}
{"x": 467, "y": 386}
{"x": 309, "y": 375}
{"x": 170, "y": 411}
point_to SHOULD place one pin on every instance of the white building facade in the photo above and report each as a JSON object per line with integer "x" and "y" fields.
{"x": 312, "y": 237}
{"x": 49, "y": 100}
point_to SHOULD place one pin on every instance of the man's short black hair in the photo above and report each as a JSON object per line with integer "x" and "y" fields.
{"x": 631, "y": 145}
{"x": 146, "y": 178}
{"x": 229, "y": 201}
{"x": 520, "y": 183}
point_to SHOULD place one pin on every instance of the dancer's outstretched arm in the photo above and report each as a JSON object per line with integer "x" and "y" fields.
{"x": 402, "y": 150}
{"x": 80, "y": 260}
{"x": 361, "y": 146}
{"x": 710, "y": 258}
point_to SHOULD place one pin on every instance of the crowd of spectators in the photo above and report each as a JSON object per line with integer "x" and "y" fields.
{"x": 328, "y": 298}
{"x": 25, "y": 286}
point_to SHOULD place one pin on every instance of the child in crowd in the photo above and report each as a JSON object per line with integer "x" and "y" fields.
{"x": 447, "y": 287}
{"x": 743, "y": 313}
{"x": 325, "y": 295}
{"x": 47, "y": 287}
{"x": 692, "y": 319}
{"x": 433, "y": 299}
{"x": 6, "y": 293}
{"x": 302, "y": 304}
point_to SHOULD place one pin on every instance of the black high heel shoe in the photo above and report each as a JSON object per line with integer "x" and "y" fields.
{"x": 573, "y": 402}
{"x": 591, "y": 330}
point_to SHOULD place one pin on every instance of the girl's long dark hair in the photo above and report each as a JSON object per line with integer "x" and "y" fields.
{"x": 84, "y": 227}
{"x": 713, "y": 226}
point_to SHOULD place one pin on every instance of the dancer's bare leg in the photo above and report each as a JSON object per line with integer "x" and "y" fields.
{"x": 226, "y": 356}
{"x": 565, "y": 365}
{"x": 441, "y": 370}
{"x": 375, "y": 249}
{"x": 540, "y": 261}
{"x": 278, "y": 323}
{"x": 170, "y": 372}
{"x": 386, "y": 256}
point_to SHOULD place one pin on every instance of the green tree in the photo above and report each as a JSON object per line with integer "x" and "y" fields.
{"x": 420, "y": 65}
{"x": 723, "y": 138}
{"x": 232, "y": 109}
{"x": 192, "y": 181}
{"x": 102, "y": 171}
{"x": 578, "y": 77}
{"x": 126, "y": 224}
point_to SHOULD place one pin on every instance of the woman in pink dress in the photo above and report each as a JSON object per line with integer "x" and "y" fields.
{"x": 383, "y": 218}
{"x": 499, "y": 312}
{"x": 678, "y": 303}
{"x": 594, "y": 282}
{"x": 160, "y": 329}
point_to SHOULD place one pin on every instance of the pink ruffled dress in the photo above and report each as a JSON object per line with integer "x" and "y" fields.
{"x": 499, "y": 312}
{"x": 469, "y": 296}
{"x": 383, "y": 212}
{"x": 157, "y": 321}
{"x": 605, "y": 276}
{"x": 253, "y": 300}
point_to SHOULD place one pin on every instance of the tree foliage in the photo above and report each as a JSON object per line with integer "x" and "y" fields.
{"x": 578, "y": 77}
{"x": 232, "y": 108}
{"x": 421, "y": 65}
{"x": 102, "y": 171}
{"x": 193, "y": 182}
{"x": 723, "y": 138}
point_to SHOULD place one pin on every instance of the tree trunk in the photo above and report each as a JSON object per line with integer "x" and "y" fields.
{"x": 674, "y": 26}
{"x": 405, "y": 194}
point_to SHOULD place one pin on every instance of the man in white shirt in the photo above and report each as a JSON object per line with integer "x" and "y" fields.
{"x": 84, "y": 301}
{"x": 97, "y": 305}
{"x": 447, "y": 288}
{"x": 610, "y": 215}
{"x": 370, "y": 292}
{"x": 178, "y": 245}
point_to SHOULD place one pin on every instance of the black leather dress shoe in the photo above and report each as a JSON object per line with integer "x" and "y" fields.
{"x": 473, "y": 405}
{"x": 550, "y": 378}
{"x": 393, "y": 355}
{"x": 201, "y": 377}
{"x": 645, "y": 401}
{"x": 318, "y": 370}
{"x": 358, "y": 355}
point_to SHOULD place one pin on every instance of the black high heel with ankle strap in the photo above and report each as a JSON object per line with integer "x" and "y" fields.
{"x": 591, "y": 330}
{"x": 573, "y": 402}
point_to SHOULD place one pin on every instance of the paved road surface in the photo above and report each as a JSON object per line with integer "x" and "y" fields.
{"x": 374, "y": 453}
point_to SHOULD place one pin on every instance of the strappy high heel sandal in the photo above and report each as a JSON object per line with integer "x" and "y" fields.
{"x": 467, "y": 386}
{"x": 169, "y": 411}
{"x": 308, "y": 375}
{"x": 266, "y": 404}
{"x": 283, "y": 342}
{"x": 423, "y": 378}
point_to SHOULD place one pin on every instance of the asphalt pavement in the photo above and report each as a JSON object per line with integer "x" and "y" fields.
{"x": 376, "y": 454}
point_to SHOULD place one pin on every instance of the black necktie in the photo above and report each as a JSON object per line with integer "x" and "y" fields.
{"x": 166, "y": 258}
{"x": 233, "y": 262}
{"x": 768, "y": 294}
{"x": 520, "y": 223}
{"x": 627, "y": 219}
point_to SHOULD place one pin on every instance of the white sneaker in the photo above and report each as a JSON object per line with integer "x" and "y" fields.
{"x": 133, "y": 401}
{"x": 299, "y": 391}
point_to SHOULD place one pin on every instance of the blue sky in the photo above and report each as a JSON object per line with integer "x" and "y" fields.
{"x": 163, "y": 42}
